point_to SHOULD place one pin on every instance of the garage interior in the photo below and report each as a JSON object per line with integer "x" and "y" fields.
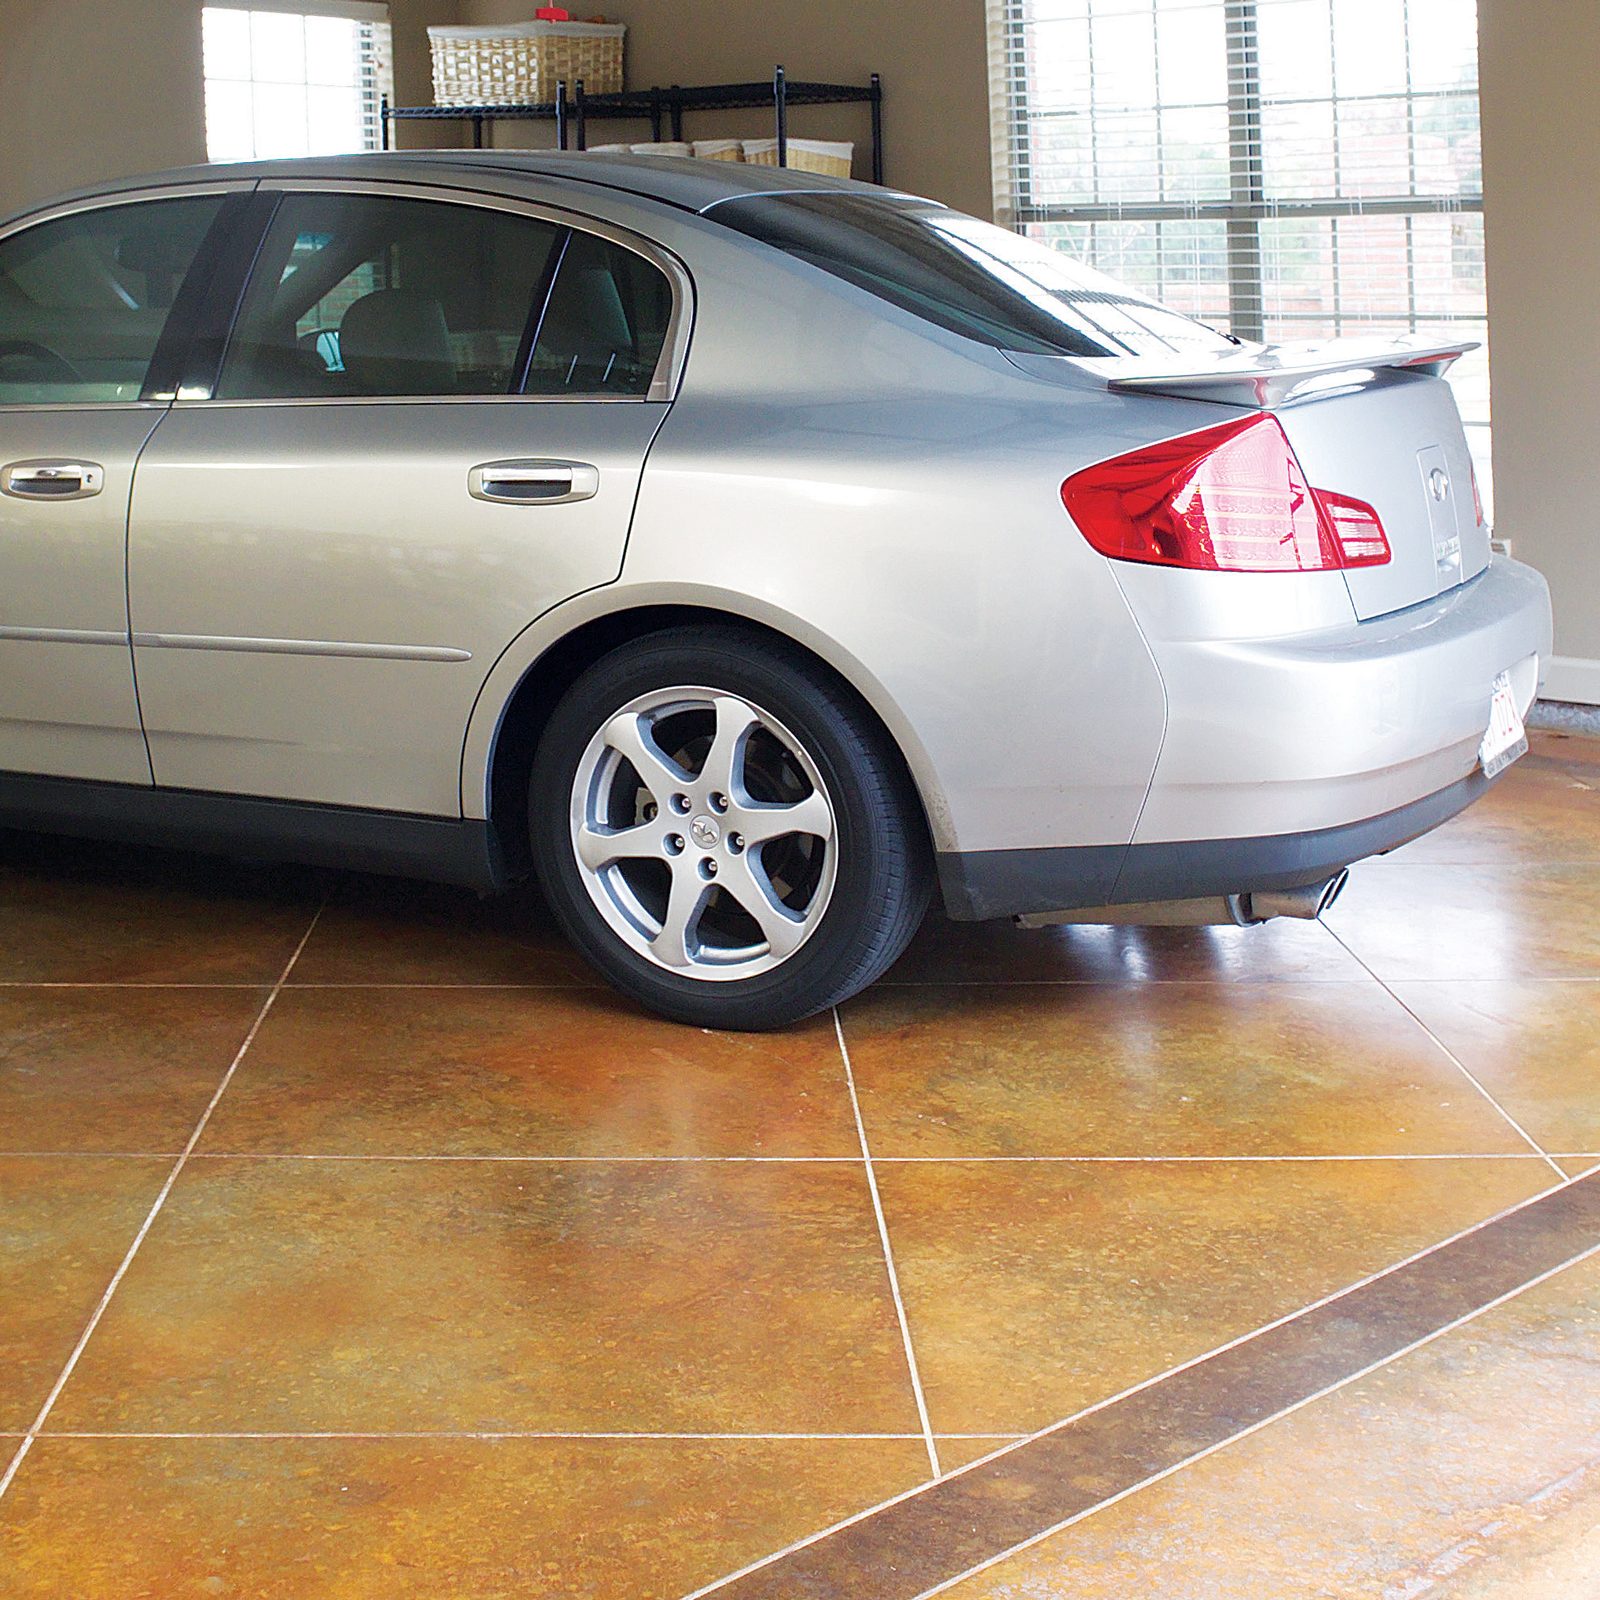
{"x": 359, "y": 1242}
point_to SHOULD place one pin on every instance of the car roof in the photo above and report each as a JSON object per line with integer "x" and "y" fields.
{"x": 675, "y": 180}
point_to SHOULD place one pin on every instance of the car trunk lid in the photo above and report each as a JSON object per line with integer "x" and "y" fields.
{"x": 1371, "y": 419}
{"x": 1400, "y": 447}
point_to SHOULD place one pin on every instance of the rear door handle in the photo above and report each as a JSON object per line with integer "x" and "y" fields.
{"x": 52, "y": 480}
{"x": 533, "y": 483}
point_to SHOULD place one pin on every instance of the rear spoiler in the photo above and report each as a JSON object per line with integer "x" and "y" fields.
{"x": 1278, "y": 374}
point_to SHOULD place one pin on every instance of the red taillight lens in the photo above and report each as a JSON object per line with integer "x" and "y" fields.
{"x": 1227, "y": 499}
{"x": 1477, "y": 498}
{"x": 1356, "y": 530}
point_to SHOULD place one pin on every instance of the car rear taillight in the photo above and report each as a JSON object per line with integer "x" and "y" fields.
{"x": 1477, "y": 497}
{"x": 1356, "y": 530}
{"x": 1226, "y": 499}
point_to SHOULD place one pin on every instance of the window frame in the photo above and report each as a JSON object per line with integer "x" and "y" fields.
{"x": 197, "y": 388}
{"x": 179, "y": 328}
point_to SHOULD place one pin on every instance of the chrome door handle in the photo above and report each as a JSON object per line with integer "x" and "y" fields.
{"x": 533, "y": 483}
{"x": 52, "y": 480}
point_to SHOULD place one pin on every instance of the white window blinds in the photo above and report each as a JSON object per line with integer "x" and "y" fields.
{"x": 302, "y": 79}
{"x": 1287, "y": 169}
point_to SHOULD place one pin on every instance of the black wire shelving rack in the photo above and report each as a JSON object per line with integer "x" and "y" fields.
{"x": 662, "y": 107}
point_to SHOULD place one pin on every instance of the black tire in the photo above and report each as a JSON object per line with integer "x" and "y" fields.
{"x": 883, "y": 875}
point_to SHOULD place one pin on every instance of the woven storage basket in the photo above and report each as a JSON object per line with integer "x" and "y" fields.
{"x": 806, "y": 155}
{"x": 719, "y": 149}
{"x": 520, "y": 63}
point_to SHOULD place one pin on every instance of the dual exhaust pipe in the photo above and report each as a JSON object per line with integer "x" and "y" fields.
{"x": 1240, "y": 910}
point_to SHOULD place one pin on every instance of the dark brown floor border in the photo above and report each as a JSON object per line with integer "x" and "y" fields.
{"x": 956, "y": 1525}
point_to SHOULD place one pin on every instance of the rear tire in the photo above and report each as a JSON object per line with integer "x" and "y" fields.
{"x": 723, "y": 832}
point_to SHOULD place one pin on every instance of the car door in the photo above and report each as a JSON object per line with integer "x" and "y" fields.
{"x": 86, "y": 296}
{"x": 427, "y": 429}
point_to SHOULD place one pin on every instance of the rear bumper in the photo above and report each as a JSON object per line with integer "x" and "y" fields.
{"x": 1010, "y": 883}
{"x": 1316, "y": 730}
{"x": 1286, "y": 759}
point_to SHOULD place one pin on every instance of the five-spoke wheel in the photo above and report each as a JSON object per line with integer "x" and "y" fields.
{"x": 724, "y": 831}
{"x": 705, "y": 832}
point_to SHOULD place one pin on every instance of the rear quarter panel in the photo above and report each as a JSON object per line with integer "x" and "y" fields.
{"x": 898, "y": 489}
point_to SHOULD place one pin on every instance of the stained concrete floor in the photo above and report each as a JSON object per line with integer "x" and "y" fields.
{"x": 356, "y": 1243}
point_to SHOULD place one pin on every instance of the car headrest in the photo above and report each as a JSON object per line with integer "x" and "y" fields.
{"x": 395, "y": 342}
{"x": 586, "y": 325}
{"x": 160, "y": 259}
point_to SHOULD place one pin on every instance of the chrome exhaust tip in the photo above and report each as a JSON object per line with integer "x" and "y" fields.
{"x": 1307, "y": 903}
{"x": 1240, "y": 910}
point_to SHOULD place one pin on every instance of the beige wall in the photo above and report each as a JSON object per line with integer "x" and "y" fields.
{"x": 94, "y": 89}
{"x": 931, "y": 55}
{"x": 1538, "y": 67}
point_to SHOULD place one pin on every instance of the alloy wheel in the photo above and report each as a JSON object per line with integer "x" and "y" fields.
{"x": 704, "y": 833}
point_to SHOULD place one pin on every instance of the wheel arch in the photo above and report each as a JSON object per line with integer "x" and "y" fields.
{"x": 533, "y": 673}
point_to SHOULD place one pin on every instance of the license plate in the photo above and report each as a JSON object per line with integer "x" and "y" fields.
{"x": 1507, "y": 738}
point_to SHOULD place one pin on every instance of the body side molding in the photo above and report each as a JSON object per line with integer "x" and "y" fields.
{"x": 300, "y": 647}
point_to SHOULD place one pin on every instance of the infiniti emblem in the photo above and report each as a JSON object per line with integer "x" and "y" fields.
{"x": 1438, "y": 484}
{"x": 705, "y": 832}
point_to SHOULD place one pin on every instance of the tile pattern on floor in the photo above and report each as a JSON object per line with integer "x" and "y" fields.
{"x": 295, "y": 1296}
{"x": 65, "y": 1222}
{"x": 1180, "y": 1069}
{"x": 543, "y": 1072}
{"x": 415, "y": 1519}
{"x": 967, "y": 1521}
{"x": 118, "y": 1070}
{"x": 457, "y": 1198}
{"x": 1034, "y": 1290}
{"x": 1431, "y": 1477}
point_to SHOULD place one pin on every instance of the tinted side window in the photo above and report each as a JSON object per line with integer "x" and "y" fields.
{"x": 363, "y": 295}
{"x": 606, "y": 323}
{"x": 84, "y": 299}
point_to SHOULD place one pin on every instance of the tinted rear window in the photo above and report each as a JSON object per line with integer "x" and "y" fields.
{"x": 968, "y": 276}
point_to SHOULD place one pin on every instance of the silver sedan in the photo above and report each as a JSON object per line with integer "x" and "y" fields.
{"x": 749, "y": 556}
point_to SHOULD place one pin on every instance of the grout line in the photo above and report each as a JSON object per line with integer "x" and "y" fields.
{"x": 1254, "y": 983}
{"x": 563, "y": 987}
{"x": 558, "y": 985}
{"x": 888, "y": 1253}
{"x": 26, "y": 983}
{"x": 490, "y": 1434}
{"x": 507, "y": 1433}
{"x": 1523, "y": 980}
{"x": 1266, "y": 1422}
{"x": 296, "y": 988}
{"x": 1223, "y": 1160}
{"x": 1136, "y": 1388}
{"x": 1124, "y": 981}
{"x": 1459, "y": 1065}
{"x": 7, "y": 1478}
{"x": 804, "y": 1161}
